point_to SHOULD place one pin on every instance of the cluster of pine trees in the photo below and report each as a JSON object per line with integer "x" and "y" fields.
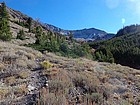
{"x": 59, "y": 44}
{"x": 5, "y": 33}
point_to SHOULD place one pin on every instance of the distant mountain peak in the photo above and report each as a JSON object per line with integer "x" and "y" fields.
{"x": 87, "y": 34}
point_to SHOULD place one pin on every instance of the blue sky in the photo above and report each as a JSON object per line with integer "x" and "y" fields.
{"x": 108, "y": 15}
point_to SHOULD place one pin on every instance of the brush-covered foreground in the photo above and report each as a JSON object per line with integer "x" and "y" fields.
{"x": 28, "y": 77}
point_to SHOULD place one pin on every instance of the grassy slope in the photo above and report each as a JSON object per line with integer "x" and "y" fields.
{"x": 89, "y": 79}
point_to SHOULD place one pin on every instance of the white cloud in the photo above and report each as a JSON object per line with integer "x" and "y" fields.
{"x": 123, "y": 20}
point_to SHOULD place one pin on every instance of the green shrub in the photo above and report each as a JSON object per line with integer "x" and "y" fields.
{"x": 96, "y": 97}
{"x": 21, "y": 35}
{"x": 46, "y": 64}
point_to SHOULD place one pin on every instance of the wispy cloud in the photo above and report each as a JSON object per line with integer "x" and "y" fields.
{"x": 134, "y": 5}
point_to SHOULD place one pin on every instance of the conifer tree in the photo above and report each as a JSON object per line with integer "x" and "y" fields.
{"x": 71, "y": 36}
{"x": 29, "y": 22}
{"x": 21, "y": 35}
{"x": 38, "y": 34}
{"x": 5, "y": 33}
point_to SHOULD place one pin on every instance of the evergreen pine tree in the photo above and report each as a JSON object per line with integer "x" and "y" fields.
{"x": 21, "y": 35}
{"x": 71, "y": 36}
{"x": 29, "y": 22}
{"x": 38, "y": 33}
{"x": 5, "y": 33}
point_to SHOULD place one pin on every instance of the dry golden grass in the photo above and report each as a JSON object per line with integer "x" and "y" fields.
{"x": 50, "y": 71}
{"x": 30, "y": 56}
{"x": 31, "y": 64}
{"x": 53, "y": 99}
{"x": 22, "y": 63}
{"x": 21, "y": 90}
{"x": 4, "y": 92}
{"x": 24, "y": 74}
{"x": 2, "y": 66}
{"x": 10, "y": 80}
{"x": 88, "y": 79}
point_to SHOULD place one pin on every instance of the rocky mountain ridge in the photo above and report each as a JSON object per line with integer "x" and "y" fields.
{"x": 90, "y": 34}
{"x": 132, "y": 29}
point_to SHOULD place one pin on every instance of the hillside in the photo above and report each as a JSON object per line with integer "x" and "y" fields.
{"x": 123, "y": 48}
{"x": 132, "y": 29}
{"x": 26, "y": 80}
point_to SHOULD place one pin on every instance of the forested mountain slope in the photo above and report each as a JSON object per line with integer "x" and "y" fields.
{"x": 123, "y": 49}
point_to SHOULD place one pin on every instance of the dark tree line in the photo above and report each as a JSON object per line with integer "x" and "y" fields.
{"x": 124, "y": 49}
